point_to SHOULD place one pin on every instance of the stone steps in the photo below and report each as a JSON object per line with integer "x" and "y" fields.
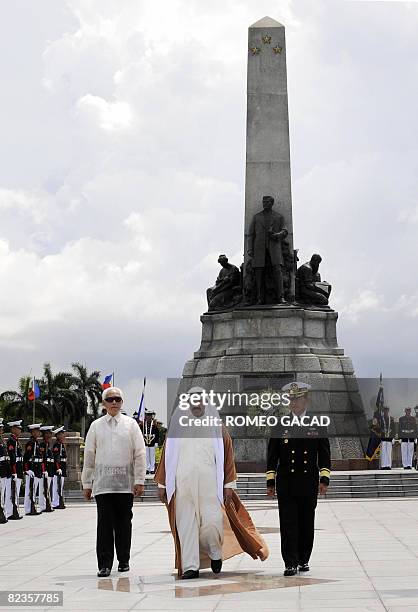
{"x": 365, "y": 484}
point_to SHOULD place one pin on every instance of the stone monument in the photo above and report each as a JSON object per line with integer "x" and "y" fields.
{"x": 268, "y": 337}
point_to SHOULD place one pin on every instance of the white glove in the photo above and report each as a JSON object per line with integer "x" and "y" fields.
{"x": 30, "y": 473}
{"x": 59, "y": 472}
{"x": 14, "y": 476}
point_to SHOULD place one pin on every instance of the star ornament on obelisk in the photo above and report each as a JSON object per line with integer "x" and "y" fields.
{"x": 268, "y": 147}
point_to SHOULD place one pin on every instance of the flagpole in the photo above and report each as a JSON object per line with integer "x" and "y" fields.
{"x": 113, "y": 379}
{"x": 142, "y": 400}
{"x": 34, "y": 399}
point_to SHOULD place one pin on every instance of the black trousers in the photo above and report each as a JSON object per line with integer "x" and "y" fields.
{"x": 114, "y": 527}
{"x": 297, "y": 519}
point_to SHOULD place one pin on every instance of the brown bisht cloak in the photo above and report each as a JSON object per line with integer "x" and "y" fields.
{"x": 240, "y": 533}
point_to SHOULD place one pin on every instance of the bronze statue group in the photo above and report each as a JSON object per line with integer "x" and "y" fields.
{"x": 269, "y": 274}
{"x": 42, "y": 466}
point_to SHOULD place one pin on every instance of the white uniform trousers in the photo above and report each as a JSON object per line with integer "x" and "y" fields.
{"x": 385, "y": 453}
{"x": 407, "y": 452}
{"x": 55, "y": 492}
{"x": 42, "y": 498}
{"x": 9, "y": 503}
{"x": 3, "y": 493}
{"x": 37, "y": 490}
{"x": 150, "y": 453}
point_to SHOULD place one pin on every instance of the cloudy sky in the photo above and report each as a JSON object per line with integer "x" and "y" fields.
{"x": 122, "y": 176}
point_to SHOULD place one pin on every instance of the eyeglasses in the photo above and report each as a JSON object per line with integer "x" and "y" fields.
{"x": 110, "y": 400}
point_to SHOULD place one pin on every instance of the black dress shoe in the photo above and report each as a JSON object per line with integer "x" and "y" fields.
{"x": 190, "y": 574}
{"x": 104, "y": 572}
{"x": 33, "y": 513}
{"x": 14, "y": 518}
{"x": 216, "y": 565}
{"x": 304, "y": 567}
{"x": 123, "y": 567}
{"x": 290, "y": 571}
{"x": 3, "y": 521}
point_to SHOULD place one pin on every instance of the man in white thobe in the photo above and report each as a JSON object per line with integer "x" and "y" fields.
{"x": 194, "y": 467}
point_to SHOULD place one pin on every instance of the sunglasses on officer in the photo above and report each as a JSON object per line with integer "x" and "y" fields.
{"x": 110, "y": 400}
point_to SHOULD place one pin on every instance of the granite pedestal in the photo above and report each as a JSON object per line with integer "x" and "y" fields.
{"x": 257, "y": 349}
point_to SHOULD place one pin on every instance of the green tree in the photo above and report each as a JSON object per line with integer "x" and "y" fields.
{"x": 16, "y": 404}
{"x": 60, "y": 399}
{"x": 89, "y": 391}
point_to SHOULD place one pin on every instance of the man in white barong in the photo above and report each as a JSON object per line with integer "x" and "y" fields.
{"x": 113, "y": 473}
{"x": 196, "y": 476}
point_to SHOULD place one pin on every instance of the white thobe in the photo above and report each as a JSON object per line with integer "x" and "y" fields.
{"x": 199, "y": 518}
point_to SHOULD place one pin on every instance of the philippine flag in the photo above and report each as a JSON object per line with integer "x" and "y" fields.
{"x": 35, "y": 392}
{"x": 107, "y": 381}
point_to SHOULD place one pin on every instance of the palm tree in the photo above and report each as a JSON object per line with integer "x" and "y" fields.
{"x": 89, "y": 391}
{"x": 16, "y": 404}
{"x": 60, "y": 398}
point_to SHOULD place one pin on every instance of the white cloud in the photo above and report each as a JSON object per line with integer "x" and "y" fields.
{"x": 109, "y": 115}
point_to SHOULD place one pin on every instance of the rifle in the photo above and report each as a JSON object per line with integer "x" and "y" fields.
{"x": 3, "y": 518}
{"x": 61, "y": 504}
{"x": 15, "y": 514}
{"x": 48, "y": 507}
{"x": 31, "y": 495}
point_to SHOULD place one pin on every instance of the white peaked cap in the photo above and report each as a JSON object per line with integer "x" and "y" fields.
{"x": 15, "y": 424}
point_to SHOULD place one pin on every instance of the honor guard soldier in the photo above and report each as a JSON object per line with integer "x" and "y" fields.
{"x": 5, "y": 475}
{"x": 16, "y": 466}
{"x": 151, "y": 435}
{"x": 60, "y": 462}
{"x": 387, "y": 437}
{"x": 48, "y": 469}
{"x": 297, "y": 469}
{"x": 32, "y": 464}
{"x": 408, "y": 434}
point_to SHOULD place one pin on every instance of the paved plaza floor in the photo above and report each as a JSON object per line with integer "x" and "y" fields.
{"x": 365, "y": 558}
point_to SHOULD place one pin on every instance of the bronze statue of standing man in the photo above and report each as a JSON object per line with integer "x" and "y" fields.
{"x": 266, "y": 233}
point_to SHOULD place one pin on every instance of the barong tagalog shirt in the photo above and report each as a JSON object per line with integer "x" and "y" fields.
{"x": 114, "y": 455}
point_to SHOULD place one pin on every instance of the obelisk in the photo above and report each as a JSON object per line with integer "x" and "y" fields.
{"x": 268, "y": 148}
{"x": 259, "y": 348}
